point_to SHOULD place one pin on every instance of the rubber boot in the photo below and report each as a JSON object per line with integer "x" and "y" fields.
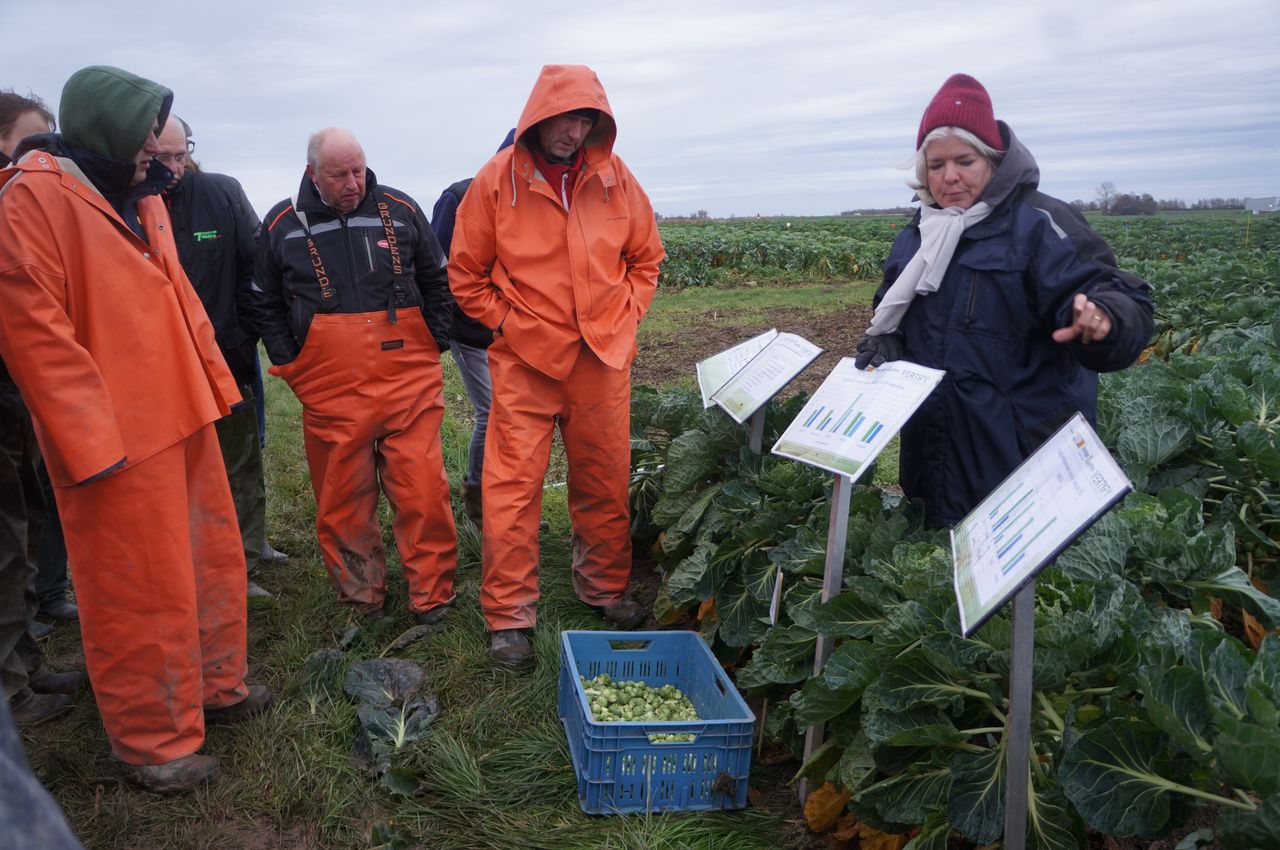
{"x": 178, "y": 776}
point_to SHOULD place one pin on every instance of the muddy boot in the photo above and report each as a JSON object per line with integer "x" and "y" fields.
{"x": 257, "y": 702}
{"x": 32, "y": 709}
{"x": 179, "y": 776}
{"x": 471, "y": 503}
{"x": 49, "y": 682}
{"x": 626, "y": 614}
{"x": 510, "y": 648}
{"x": 433, "y": 616}
{"x": 272, "y": 556}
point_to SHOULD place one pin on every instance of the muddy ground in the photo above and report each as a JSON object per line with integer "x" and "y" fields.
{"x": 669, "y": 356}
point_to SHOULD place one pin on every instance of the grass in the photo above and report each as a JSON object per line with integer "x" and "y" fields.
{"x": 496, "y": 768}
{"x": 679, "y": 309}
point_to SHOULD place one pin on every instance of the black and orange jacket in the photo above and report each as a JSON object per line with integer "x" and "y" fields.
{"x": 356, "y": 268}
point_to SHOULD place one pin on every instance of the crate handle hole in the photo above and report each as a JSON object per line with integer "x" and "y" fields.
{"x": 618, "y": 645}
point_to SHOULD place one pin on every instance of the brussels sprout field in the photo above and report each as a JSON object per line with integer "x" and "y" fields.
{"x": 1157, "y": 666}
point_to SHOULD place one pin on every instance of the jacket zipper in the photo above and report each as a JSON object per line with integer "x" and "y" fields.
{"x": 973, "y": 296}
{"x": 351, "y": 264}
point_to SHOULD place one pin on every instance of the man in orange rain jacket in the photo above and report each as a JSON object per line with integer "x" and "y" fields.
{"x": 556, "y": 249}
{"x": 352, "y": 302}
{"x": 117, "y": 362}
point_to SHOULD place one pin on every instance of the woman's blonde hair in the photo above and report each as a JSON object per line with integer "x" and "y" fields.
{"x": 920, "y": 163}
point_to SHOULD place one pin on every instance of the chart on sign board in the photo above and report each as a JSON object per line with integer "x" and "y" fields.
{"x": 1046, "y": 502}
{"x": 854, "y": 414}
{"x": 784, "y": 357}
{"x": 715, "y": 371}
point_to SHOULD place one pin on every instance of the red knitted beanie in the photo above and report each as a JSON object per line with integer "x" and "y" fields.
{"x": 962, "y": 102}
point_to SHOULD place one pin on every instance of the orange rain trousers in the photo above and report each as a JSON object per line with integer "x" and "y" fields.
{"x": 592, "y": 407}
{"x": 371, "y": 412}
{"x": 159, "y": 574}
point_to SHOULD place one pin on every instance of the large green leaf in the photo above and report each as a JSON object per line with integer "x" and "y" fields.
{"x": 853, "y": 664}
{"x": 1152, "y": 437}
{"x": 907, "y": 799}
{"x": 857, "y": 766}
{"x": 1117, "y": 777}
{"x": 923, "y": 678}
{"x": 933, "y": 833}
{"x": 1100, "y": 551}
{"x": 1256, "y": 830}
{"x": 804, "y": 553}
{"x": 692, "y": 579}
{"x": 1224, "y": 663}
{"x": 743, "y": 618}
{"x": 1262, "y": 685}
{"x": 1231, "y": 584}
{"x": 689, "y": 461}
{"x": 1249, "y": 755}
{"x": 850, "y": 614}
{"x": 904, "y": 624}
{"x": 976, "y": 806}
{"x": 1052, "y": 824}
{"x": 923, "y": 726}
{"x": 786, "y": 655}
{"x": 818, "y": 702}
{"x": 1262, "y": 446}
{"x": 1176, "y": 703}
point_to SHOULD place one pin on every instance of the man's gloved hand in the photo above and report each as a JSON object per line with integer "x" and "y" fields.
{"x": 875, "y": 351}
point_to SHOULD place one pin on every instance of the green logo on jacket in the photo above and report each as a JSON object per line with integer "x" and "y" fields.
{"x": 205, "y": 235}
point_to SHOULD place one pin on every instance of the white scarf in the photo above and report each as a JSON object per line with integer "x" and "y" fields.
{"x": 940, "y": 231}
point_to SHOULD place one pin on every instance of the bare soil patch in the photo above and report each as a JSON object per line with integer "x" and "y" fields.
{"x": 668, "y": 356}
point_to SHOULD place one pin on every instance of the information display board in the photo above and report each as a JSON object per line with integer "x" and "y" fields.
{"x": 751, "y": 387}
{"x": 715, "y": 371}
{"x": 1035, "y": 513}
{"x": 854, "y": 414}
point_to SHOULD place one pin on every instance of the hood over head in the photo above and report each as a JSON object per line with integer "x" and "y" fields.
{"x": 1017, "y": 169}
{"x": 110, "y": 111}
{"x": 565, "y": 88}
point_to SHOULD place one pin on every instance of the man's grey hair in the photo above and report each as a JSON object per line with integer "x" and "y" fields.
{"x": 920, "y": 163}
{"x": 318, "y": 139}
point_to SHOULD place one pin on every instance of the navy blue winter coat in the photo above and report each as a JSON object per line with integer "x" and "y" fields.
{"x": 1009, "y": 385}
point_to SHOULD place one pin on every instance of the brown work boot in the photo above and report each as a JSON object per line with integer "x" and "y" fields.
{"x": 35, "y": 708}
{"x": 257, "y": 702}
{"x": 433, "y": 616}
{"x": 49, "y": 682}
{"x": 471, "y": 503}
{"x": 626, "y": 614}
{"x": 177, "y": 776}
{"x": 510, "y": 648}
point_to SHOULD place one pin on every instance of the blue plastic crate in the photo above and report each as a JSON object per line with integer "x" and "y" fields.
{"x": 619, "y": 769}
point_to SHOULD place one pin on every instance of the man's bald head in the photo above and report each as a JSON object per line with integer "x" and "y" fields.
{"x": 335, "y": 163}
{"x": 173, "y": 148}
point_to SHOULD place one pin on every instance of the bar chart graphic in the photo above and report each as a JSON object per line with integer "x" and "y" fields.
{"x": 1042, "y": 506}
{"x": 854, "y": 414}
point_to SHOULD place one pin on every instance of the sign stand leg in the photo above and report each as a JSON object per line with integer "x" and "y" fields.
{"x": 1018, "y": 755}
{"x": 757, "y": 429}
{"x": 832, "y": 578}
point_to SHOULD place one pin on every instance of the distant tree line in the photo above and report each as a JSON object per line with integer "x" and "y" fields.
{"x": 1107, "y": 200}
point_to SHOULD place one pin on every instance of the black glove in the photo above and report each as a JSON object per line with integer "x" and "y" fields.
{"x": 875, "y": 351}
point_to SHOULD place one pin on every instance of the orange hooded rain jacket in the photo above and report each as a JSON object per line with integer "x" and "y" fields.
{"x": 550, "y": 297}
{"x": 129, "y": 376}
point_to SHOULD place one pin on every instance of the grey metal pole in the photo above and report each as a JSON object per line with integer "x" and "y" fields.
{"x": 1018, "y": 754}
{"x": 757, "y": 429}
{"x": 832, "y": 579}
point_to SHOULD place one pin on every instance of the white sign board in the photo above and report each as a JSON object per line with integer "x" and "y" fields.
{"x": 768, "y": 371}
{"x": 1044, "y": 504}
{"x": 854, "y": 414}
{"x": 715, "y": 371}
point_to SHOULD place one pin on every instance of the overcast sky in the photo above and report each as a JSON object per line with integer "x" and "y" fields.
{"x": 737, "y": 108}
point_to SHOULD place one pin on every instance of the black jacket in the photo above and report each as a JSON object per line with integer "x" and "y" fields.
{"x": 357, "y": 260}
{"x": 1008, "y": 384}
{"x": 215, "y": 229}
{"x": 466, "y": 330}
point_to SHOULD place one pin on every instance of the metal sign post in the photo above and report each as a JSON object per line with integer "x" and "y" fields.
{"x": 757, "y": 429}
{"x": 1018, "y": 756}
{"x": 832, "y": 579}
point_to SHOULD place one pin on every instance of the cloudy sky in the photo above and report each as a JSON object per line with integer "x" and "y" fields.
{"x": 737, "y": 108}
